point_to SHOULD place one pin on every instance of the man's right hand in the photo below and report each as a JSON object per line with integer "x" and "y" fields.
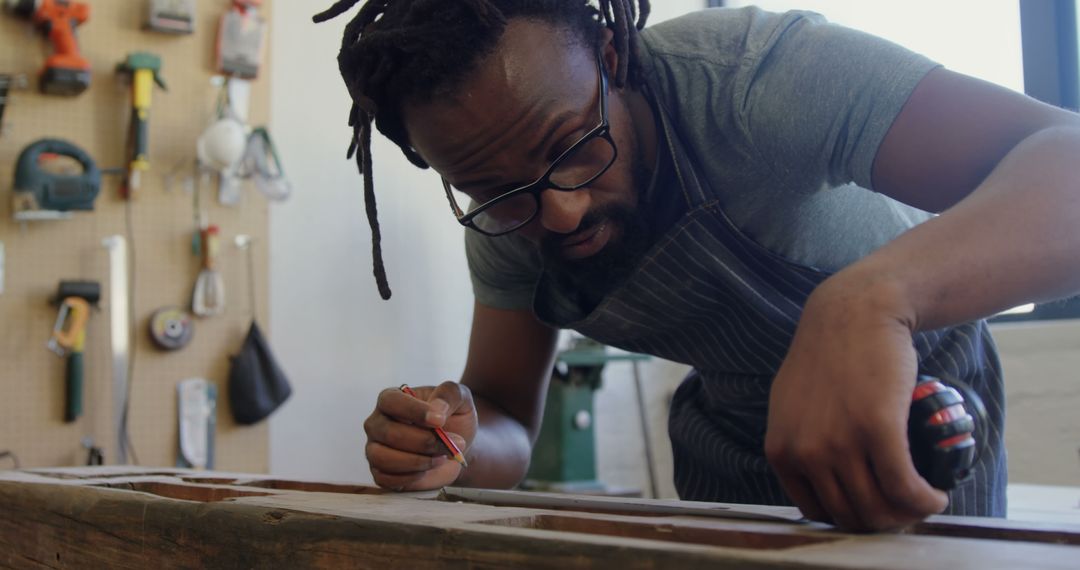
{"x": 403, "y": 451}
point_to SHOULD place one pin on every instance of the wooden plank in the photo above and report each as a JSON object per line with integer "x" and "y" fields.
{"x": 139, "y": 518}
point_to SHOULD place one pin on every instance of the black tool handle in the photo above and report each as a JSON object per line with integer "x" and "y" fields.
{"x": 140, "y": 132}
{"x": 73, "y": 406}
{"x": 946, "y": 428}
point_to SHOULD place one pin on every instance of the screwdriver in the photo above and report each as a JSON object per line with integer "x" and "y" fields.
{"x": 449, "y": 443}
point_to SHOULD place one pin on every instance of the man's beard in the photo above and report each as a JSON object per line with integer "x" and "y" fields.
{"x": 599, "y": 274}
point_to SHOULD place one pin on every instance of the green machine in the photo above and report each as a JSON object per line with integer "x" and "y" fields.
{"x": 564, "y": 457}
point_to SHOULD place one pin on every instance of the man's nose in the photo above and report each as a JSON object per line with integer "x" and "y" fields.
{"x": 561, "y": 212}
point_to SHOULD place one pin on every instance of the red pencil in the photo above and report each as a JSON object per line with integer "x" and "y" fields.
{"x": 449, "y": 443}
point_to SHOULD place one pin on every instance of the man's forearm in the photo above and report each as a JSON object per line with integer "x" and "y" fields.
{"x": 499, "y": 456}
{"x": 1015, "y": 239}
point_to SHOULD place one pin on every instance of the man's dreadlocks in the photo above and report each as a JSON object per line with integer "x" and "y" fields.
{"x": 397, "y": 51}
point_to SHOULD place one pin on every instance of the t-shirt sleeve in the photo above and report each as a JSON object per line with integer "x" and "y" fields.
{"x": 817, "y": 98}
{"x": 504, "y": 270}
{"x": 798, "y": 102}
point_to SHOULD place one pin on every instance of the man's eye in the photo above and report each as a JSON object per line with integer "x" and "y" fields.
{"x": 491, "y": 193}
{"x": 564, "y": 145}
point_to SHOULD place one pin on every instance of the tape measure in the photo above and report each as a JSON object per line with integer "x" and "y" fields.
{"x": 171, "y": 328}
{"x": 946, "y": 431}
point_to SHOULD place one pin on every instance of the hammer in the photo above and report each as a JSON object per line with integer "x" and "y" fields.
{"x": 69, "y": 337}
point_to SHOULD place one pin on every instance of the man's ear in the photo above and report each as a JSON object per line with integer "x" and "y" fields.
{"x": 608, "y": 52}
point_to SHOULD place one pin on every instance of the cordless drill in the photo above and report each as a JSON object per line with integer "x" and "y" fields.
{"x": 66, "y": 71}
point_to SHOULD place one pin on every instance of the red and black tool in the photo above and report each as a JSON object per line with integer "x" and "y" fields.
{"x": 66, "y": 71}
{"x": 946, "y": 431}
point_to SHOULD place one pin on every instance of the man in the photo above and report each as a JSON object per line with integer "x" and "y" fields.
{"x": 733, "y": 190}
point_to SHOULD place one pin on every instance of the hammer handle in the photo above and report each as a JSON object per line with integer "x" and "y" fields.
{"x": 73, "y": 406}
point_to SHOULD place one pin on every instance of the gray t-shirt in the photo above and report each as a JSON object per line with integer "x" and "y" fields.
{"x": 783, "y": 115}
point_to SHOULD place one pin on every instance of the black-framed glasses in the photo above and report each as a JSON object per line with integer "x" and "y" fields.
{"x": 577, "y": 167}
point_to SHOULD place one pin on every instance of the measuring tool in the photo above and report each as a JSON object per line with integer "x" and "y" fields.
{"x": 144, "y": 69}
{"x": 45, "y": 189}
{"x": 946, "y": 431}
{"x": 66, "y": 71}
{"x": 120, "y": 327}
{"x": 69, "y": 337}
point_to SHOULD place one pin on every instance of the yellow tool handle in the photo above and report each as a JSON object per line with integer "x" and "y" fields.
{"x": 70, "y": 329}
{"x": 142, "y": 87}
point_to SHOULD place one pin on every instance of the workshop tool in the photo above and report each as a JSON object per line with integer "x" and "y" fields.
{"x": 564, "y": 455}
{"x": 243, "y": 243}
{"x": 44, "y": 190}
{"x": 222, "y": 144}
{"x": 220, "y": 148}
{"x": 66, "y": 71}
{"x": 241, "y": 36}
{"x": 455, "y": 452}
{"x": 171, "y": 16}
{"x": 120, "y": 329}
{"x": 145, "y": 70}
{"x": 8, "y": 83}
{"x": 69, "y": 337}
{"x": 208, "y": 298}
{"x": 257, "y": 384}
{"x": 196, "y": 412}
{"x": 261, "y": 162}
{"x": 7, "y": 454}
{"x": 171, "y": 328}
{"x": 94, "y": 454}
{"x": 946, "y": 430}
{"x": 627, "y": 506}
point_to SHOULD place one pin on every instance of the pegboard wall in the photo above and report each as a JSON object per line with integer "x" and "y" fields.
{"x": 38, "y": 255}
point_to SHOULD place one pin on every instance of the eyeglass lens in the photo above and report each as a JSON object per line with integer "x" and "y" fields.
{"x": 575, "y": 170}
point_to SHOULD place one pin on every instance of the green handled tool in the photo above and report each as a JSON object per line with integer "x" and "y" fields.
{"x": 69, "y": 338}
{"x": 144, "y": 69}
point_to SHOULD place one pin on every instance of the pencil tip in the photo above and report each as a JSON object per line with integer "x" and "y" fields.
{"x": 461, "y": 459}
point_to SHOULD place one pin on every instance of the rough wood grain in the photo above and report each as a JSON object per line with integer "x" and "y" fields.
{"x": 176, "y": 518}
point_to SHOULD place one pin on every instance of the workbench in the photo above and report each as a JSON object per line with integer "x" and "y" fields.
{"x": 126, "y": 517}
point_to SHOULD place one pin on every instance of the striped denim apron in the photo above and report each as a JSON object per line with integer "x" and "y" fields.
{"x": 708, "y": 296}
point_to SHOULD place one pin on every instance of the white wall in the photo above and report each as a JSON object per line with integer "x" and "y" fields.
{"x": 337, "y": 340}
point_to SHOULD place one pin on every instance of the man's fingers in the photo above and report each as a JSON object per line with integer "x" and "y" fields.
{"x": 402, "y": 407}
{"x": 832, "y": 498}
{"x": 441, "y": 476}
{"x": 396, "y": 481}
{"x": 801, "y": 493}
{"x": 415, "y": 439}
{"x": 430, "y": 406}
{"x": 394, "y": 461}
{"x": 904, "y": 488}
{"x": 863, "y": 492}
{"x": 449, "y": 398}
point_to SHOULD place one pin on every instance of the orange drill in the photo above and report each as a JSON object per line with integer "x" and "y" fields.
{"x": 66, "y": 71}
